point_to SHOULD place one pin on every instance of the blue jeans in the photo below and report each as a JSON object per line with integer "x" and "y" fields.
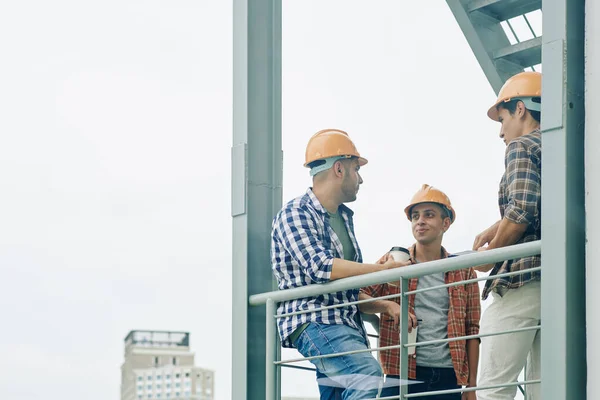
{"x": 350, "y": 377}
{"x": 433, "y": 379}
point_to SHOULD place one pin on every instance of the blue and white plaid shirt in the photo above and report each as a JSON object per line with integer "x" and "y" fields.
{"x": 303, "y": 246}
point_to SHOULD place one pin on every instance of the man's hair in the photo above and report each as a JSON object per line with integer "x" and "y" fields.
{"x": 511, "y": 107}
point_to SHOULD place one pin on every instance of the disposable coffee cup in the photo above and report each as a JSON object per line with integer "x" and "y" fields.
{"x": 400, "y": 254}
{"x": 412, "y": 338}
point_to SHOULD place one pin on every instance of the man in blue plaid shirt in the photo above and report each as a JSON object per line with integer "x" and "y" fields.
{"x": 517, "y": 297}
{"x": 313, "y": 242}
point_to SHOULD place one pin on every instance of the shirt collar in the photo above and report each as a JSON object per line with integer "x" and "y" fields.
{"x": 412, "y": 250}
{"x": 342, "y": 209}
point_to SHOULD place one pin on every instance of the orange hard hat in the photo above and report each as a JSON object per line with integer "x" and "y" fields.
{"x": 429, "y": 194}
{"x": 331, "y": 143}
{"x": 522, "y": 86}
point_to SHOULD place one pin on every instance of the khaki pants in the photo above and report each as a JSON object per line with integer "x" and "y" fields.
{"x": 503, "y": 357}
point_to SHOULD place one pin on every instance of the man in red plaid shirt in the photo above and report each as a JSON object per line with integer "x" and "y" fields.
{"x": 439, "y": 313}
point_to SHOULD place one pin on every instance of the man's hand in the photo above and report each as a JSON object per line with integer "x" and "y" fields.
{"x": 486, "y": 267}
{"x": 389, "y": 263}
{"x": 469, "y": 395}
{"x": 486, "y": 236}
{"x": 392, "y": 314}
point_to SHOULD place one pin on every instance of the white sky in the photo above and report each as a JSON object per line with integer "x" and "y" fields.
{"x": 115, "y": 165}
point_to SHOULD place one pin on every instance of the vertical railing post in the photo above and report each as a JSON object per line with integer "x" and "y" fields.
{"x": 271, "y": 352}
{"x": 403, "y": 337}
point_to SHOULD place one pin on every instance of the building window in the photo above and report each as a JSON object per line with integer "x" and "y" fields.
{"x": 139, "y": 378}
{"x": 168, "y": 385}
{"x": 149, "y": 395}
{"x": 157, "y": 386}
{"x": 174, "y": 360}
{"x": 187, "y": 384}
{"x": 139, "y": 396}
{"x": 158, "y": 395}
{"x": 168, "y": 395}
{"x": 158, "y": 377}
{"x": 156, "y": 360}
{"x": 176, "y": 394}
{"x": 149, "y": 387}
{"x": 187, "y": 374}
{"x": 177, "y": 384}
{"x": 149, "y": 377}
{"x": 167, "y": 376}
{"x": 177, "y": 376}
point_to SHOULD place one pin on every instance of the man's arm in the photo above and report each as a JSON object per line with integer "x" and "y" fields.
{"x": 344, "y": 268}
{"x": 472, "y": 360}
{"x": 295, "y": 229}
{"x": 523, "y": 182}
{"x": 473, "y": 315}
{"x": 375, "y": 306}
{"x": 508, "y": 234}
{"x": 486, "y": 236}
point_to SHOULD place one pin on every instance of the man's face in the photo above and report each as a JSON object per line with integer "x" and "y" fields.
{"x": 351, "y": 179}
{"x": 427, "y": 222}
{"x": 511, "y": 125}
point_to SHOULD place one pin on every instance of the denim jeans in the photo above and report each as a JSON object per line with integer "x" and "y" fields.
{"x": 349, "y": 377}
{"x": 433, "y": 379}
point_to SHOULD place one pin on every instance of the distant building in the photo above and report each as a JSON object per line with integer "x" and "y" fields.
{"x": 160, "y": 365}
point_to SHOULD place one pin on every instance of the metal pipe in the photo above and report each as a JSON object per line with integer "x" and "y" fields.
{"x": 471, "y": 389}
{"x": 484, "y": 278}
{"x": 399, "y": 346}
{"x": 447, "y": 340}
{"x": 391, "y": 296}
{"x": 271, "y": 353}
{"x": 411, "y": 271}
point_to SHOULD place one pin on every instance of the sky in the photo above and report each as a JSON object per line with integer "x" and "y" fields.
{"x": 116, "y": 134}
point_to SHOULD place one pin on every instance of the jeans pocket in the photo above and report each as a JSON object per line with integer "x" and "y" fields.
{"x": 306, "y": 346}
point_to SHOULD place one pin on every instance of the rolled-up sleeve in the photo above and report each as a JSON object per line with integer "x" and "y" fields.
{"x": 373, "y": 290}
{"x": 523, "y": 182}
{"x": 296, "y": 231}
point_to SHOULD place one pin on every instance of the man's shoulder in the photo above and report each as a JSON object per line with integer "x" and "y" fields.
{"x": 530, "y": 142}
{"x": 301, "y": 205}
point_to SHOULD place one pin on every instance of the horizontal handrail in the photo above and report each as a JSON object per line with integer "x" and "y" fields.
{"x": 411, "y": 271}
{"x": 392, "y": 296}
{"x": 416, "y": 344}
{"x": 470, "y": 389}
{"x": 474, "y": 280}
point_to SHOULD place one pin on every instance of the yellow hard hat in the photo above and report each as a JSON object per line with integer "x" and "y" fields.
{"x": 522, "y": 86}
{"x": 330, "y": 143}
{"x": 429, "y": 194}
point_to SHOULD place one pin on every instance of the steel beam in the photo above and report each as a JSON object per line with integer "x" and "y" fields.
{"x": 256, "y": 182}
{"x": 563, "y": 208}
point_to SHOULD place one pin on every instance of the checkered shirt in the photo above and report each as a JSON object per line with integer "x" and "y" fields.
{"x": 520, "y": 201}
{"x": 463, "y": 319}
{"x": 303, "y": 247}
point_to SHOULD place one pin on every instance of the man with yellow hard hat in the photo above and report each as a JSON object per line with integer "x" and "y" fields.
{"x": 442, "y": 313}
{"x": 516, "y": 298}
{"x": 313, "y": 242}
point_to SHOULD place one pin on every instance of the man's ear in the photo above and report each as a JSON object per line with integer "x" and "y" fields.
{"x": 338, "y": 167}
{"x": 521, "y": 109}
{"x": 447, "y": 223}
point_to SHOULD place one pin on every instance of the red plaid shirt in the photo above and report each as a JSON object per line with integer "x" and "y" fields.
{"x": 463, "y": 319}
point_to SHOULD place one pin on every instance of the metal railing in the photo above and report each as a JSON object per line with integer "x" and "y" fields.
{"x": 270, "y": 299}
